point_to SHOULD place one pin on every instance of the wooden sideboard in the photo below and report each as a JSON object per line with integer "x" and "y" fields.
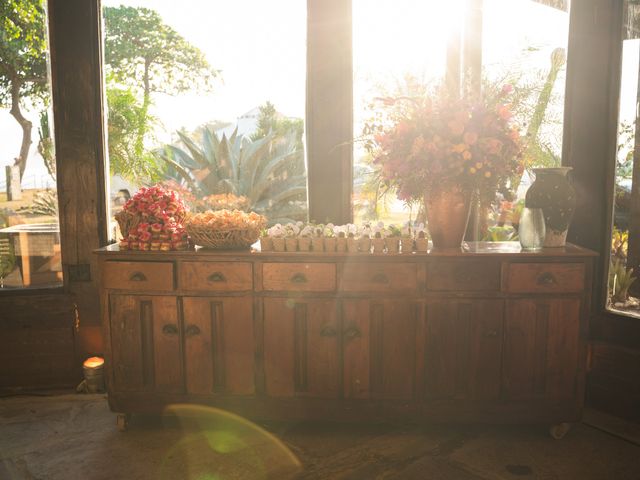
{"x": 486, "y": 335}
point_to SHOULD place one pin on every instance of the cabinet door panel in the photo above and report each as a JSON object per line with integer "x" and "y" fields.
{"x": 463, "y": 348}
{"x": 166, "y": 344}
{"x": 541, "y": 348}
{"x": 219, "y": 345}
{"x": 145, "y": 343}
{"x": 301, "y": 347}
{"x": 379, "y": 349}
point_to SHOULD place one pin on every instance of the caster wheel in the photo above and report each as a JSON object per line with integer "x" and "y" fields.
{"x": 559, "y": 430}
{"x": 122, "y": 421}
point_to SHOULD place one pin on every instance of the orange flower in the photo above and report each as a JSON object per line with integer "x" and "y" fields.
{"x": 456, "y": 127}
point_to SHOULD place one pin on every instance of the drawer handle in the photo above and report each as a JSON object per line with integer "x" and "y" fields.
{"x": 192, "y": 330}
{"x": 328, "y": 331}
{"x": 299, "y": 278}
{"x": 546, "y": 278}
{"x": 137, "y": 277}
{"x": 170, "y": 329}
{"x": 217, "y": 277}
{"x": 380, "y": 278}
{"x": 352, "y": 332}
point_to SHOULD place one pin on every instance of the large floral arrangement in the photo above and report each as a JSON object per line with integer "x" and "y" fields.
{"x": 438, "y": 141}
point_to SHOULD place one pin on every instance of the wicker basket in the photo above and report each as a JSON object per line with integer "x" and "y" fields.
{"x": 205, "y": 236}
{"x": 127, "y": 222}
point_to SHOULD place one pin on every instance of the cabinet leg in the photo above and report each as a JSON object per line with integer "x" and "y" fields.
{"x": 122, "y": 421}
{"x": 559, "y": 430}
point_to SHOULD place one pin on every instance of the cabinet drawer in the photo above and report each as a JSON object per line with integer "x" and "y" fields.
{"x": 379, "y": 278}
{"x": 306, "y": 277}
{"x": 545, "y": 277}
{"x": 216, "y": 276}
{"x": 463, "y": 275}
{"x": 138, "y": 275}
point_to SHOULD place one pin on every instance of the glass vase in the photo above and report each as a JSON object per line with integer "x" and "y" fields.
{"x": 532, "y": 229}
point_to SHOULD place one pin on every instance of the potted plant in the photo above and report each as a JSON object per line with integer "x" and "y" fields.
{"x": 392, "y": 240}
{"x": 317, "y": 240}
{"x": 406, "y": 238}
{"x": 266, "y": 242}
{"x": 277, "y": 234}
{"x": 364, "y": 238}
{"x": 330, "y": 240}
{"x": 304, "y": 238}
{"x": 379, "y": 232}
{"x": 422, "y": 239}
{"x": 341, "y": 238}
{"x": 291, "y": 231}
{"x": 441, "y": 149}
{"x": 352, "y": 241}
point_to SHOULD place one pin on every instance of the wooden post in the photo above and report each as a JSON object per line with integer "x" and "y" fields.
{"x": 329, "y": 116}
{"x": 14, "y": 190}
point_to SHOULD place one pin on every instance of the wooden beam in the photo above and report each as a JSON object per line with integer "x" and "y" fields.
{"x": 76, "y": 78}
{"x": 329, "y": 116}
{"x": 590, "y": 124}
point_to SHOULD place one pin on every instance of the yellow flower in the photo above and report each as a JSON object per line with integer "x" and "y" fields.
{"x": 472, "y": 170}
{"x": 487, "y": 174}
{"x": 478, "y": 165}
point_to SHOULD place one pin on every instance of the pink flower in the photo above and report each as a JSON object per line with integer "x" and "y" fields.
{"x": 470, "y": 138}
{"x": 507, "y": 88}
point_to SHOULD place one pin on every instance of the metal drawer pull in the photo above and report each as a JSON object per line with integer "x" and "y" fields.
{"x": 137, "y": 277}
{"x": 217, "y": 277}
{"x": 546, "y": 278}
{"x": 380, "y": 278}
{"x": 299, "y": 278}
{"x": 352, "y": 332}
{"x": 328, "y": 331}
{"x": 192, "y": 330}
{"x": 170, "y": 329}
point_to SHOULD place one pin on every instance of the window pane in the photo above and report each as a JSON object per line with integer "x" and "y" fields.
{"x": 208, "y": 97}
{"x": 524, "y": 44}
{"x": 398, "y": 47}
{"x": 29, "y": 227}
{"x": 625, "y": 245}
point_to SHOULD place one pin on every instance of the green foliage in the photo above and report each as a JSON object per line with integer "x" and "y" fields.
{"x": 620, "y": 279}
{"x": 258, "y": 169}
{"x": 45, "y": 202}
{"x": 504, "y": 233}
{"x": 23, "y": 48}
{"x": 619, "y": 244}
{"x": 127, "y": 119}
{"x": 46, "y": 147}
{"x": 23, "y": 63}
{"x": 271, "y": 121}
{"x": 144, "y": 52}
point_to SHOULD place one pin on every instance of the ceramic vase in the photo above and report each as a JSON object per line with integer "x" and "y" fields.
{"x": 447, "y": 215}
{"x": 552, "y": 192}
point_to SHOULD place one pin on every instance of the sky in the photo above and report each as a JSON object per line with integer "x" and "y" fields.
{"x": 260, "y": 47}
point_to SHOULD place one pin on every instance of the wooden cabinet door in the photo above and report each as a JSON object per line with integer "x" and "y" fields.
{"x": 219, "y": 345}
{"x": 542, "y": 348}
{"x": 463, "y": 347}
{"x": 379, "y": 348}
{"x": 145, "y": 342}
{"x": 301, "y": 356}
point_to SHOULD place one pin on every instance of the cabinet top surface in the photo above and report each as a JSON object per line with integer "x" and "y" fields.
{"x": 471, "y": 249}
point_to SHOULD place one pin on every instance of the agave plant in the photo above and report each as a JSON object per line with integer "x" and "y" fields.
{"x": 269, "y": 171}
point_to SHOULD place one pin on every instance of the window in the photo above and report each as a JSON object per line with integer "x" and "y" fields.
{"x": 403, "y": 48}
{"x": 29, "y": 227}
{"x": 625, "y": 242}
{"x": 212, "y": 103}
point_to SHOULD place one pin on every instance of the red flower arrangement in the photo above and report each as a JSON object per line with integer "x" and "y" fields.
{"x": 155, "y": 218}
{"x": 442, "y": 142}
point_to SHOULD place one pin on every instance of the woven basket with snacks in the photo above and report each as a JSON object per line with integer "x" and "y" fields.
{"x": 225, "y": 229}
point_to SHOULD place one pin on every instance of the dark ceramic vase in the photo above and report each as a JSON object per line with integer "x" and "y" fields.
{"x": 552, "y": 192}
